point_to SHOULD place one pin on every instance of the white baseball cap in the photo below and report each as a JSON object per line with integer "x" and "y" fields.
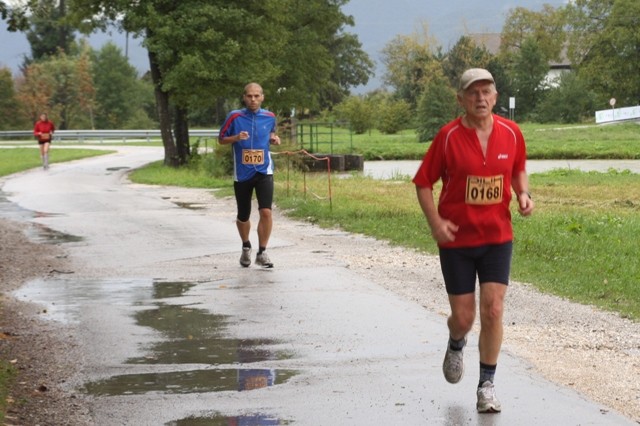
{"x": 472, "y": 75}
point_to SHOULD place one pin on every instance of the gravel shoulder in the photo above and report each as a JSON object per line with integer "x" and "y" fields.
{"x": 596, "y": 353}
{"x": 43, "y": 352}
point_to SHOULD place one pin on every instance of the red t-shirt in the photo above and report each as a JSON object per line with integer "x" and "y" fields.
{"x": 43, "y": 130}
{"x": 476, "y": 191}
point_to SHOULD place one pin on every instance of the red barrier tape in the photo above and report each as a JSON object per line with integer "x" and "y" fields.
{"x": 304, "y": 152}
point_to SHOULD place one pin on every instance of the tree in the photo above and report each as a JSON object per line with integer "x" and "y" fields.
{"x": 60, "y": 85}
{"x": 48, "y": 31}
{"x": 530, "y": 42}
{"x": 463, "y": 55}
{"x": 203, "y": 51}
{"x": 16, "y": 16}
{"x": 67, "y": 96}
{"x": 8, "y": 101}
{"x": 546, "y": 28}
{"x": 410, "y": 62}
{"x": 570, "y": 102}
{"x": 118, "y": 91}
{"x": 527, "y": 72}
{"x": 34, "y": 92}
{"x": 320, "y": 60}
{"x": 437, "y": 106}
{"x": 605, "y": 46}
{"x": 352, "y": 67}
{"x": 85, "y": 82}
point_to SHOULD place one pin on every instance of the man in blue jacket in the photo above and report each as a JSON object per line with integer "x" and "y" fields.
{"x": 251, "y": 131}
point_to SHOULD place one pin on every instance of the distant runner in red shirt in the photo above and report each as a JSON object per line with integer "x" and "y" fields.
{"x": 479, "y": 158}
{"x": 43, "y": 131}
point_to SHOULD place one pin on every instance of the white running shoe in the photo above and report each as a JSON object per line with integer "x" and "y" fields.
{"x": 245, "y": 258}
{"x": 487, "y": 401}
{"x": 263, "y": 260}
{"x": 453, "y": 365}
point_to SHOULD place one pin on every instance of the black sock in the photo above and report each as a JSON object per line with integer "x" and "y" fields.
{"x": 487, "y": 373}
{"x": 246, "y": 244}
{"x": 261, "y": 249}
{"x": 456, "y": 345}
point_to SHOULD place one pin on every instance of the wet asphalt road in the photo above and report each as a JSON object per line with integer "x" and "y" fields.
{"x": 174, "y": 332}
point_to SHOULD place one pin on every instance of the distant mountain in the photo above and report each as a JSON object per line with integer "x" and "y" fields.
{"x": 377, "y": 22}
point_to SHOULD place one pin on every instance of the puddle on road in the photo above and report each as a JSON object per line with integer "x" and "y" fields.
{"x": 42, "y": 234}
{"x": 193, "y": 336}
{"x": 190, "y": 336}
{"x": 65, "y": 298}
{"x": 36, "y": 232}
{"x": 220, "y": 420}
{"x": 13, "y": 211}
{"x": 192, "y": 381}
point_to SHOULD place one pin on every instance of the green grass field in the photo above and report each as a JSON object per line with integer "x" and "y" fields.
{"x": 14, "y": 160}
{"x": 621, "y": 141}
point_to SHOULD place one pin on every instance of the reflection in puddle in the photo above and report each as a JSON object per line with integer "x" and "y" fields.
{"x": 193, "y": 336}
{"x": 190, "y": 337}
{"x": 192, "y": 381}
{"x": 220, "y": 420}
{"x": 168, "y": 289}
{"x": 196, "y": 337}
{"x": 42, "y": 234}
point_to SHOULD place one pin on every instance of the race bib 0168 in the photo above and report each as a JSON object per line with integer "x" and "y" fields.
{"x": 484, "y": 190}
{"x": 253, "y": 157}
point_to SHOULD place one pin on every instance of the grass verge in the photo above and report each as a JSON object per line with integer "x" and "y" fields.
{"x": 7, "y": 377}
{"x": 14, "y": 160}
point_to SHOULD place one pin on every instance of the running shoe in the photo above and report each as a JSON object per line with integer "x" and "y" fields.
{"x": 245, "y": 258}
{"x": 263, "y": 260}
{"x": 453, "y": 365}
{"x": 487, "y": 401}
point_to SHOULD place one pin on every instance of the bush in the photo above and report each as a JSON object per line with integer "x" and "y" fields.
{"x": 436, "y": 107}
{"x": 570, "y": 102}
{"x": 220, "y": 163}
{"x": 393, "y": 116}
{"x": 358, "y": 111}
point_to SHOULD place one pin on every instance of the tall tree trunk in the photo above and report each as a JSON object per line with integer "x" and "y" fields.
{"x": 181, "y": 131}
{"x": 164, "y": 115}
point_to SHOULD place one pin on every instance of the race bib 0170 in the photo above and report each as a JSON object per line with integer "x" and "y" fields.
{"x": 253, "y": 157}
{"x": 484, "y": 190}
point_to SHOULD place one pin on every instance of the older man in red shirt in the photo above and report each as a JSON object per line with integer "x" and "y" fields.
{"x": 480, "y": 158}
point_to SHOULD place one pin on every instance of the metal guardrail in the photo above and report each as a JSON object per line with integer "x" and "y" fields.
{"x": 102, "y": 135}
